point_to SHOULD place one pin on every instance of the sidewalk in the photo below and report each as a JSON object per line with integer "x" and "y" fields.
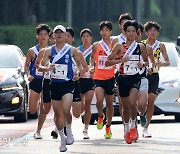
{"x": 161, "y": 142}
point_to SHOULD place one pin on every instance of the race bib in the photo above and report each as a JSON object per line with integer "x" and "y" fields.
{"x": 131, "y": 67}
{"x": 39, "y": 73}
{"x": 59, "y": 72}
{"x": 101, "y": 62}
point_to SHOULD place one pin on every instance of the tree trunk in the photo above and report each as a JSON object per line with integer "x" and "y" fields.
{"x": 176, "y": 8}
{"x": 147, "y": 8}
{"x": 5, "y": 13}
{"x": 42, "y": 10}
{"x": 24, "y": 12}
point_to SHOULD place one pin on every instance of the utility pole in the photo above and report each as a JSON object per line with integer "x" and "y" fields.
{"x": 137, "y": 10}
{"x": 69, "y": 12}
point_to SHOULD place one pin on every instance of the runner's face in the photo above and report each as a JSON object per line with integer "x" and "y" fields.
{"x": 122, "y": 23}
{"x": 105, "y": 32}
{"x": 138, "y": 36}
{"x": 52, "y": 40}
{"x": 86, "y": 38}
{"x": 152, "y": 33}
{"x": 69, "y": 38}
{"x": 131, "y": 33}
{"x": 43, "y": 36}
{"x": 60, "y": 36}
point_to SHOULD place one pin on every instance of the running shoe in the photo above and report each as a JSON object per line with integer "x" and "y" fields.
{"x": 37, "y": 136}
{"x": 134, "y": 134}
{"x": 146, "y": 134}
{"x": 63, "y": 147}
{"x": 70, "y": 139}
{"x": 100, "y": 123}
{"x": 128, "y": 138}
{"x": 108, "y": 133}
{"x": 143, "y": 120}
{"x": 86, "y": 136}
{"x": 54, "y": 134}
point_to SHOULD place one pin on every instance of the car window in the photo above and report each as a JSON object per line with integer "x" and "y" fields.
{"x": 8, "y": 58}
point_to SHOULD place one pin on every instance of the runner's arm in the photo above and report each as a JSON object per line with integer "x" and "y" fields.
{"x": 39, "y": 57}
{"x": 165, "y": 55}
{"x": 42, "y": 66}
{"x": 112, "y": 58}
{"x": 29, "y": 58}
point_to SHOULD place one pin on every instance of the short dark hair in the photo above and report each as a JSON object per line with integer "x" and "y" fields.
{"x": 150, "y": 24}
{"x": 70, "y": 30}
{"x": 50, "y": 33}
{"x": 41, "y": 27}
{"x": 85, "y": 30}
{"x": 108, "y": 24}
{"x": 141, "y": 27}
{"x": 130, "y": 23}
{"x": 124, "y": 16}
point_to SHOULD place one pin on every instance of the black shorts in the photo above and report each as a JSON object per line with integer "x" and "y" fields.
{"x": 76, "y": 93}
{"x": 46, "y": 91}
{"x": 127, "y": 82}
{"x": 107, "y": 85}
{"x": 153, "y": 83}
{"x": 36, "y": 85}
{"x": 86, "y": 85}
{"x": 59, "y": 89}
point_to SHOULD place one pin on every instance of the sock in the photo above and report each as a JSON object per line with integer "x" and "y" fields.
{"x": 133, "y": 123}
{"x": 68, "y": 128}
{"x": 85, "y": 129}
{"x": 126, "y": 127}
{"x": 61, "y": 133}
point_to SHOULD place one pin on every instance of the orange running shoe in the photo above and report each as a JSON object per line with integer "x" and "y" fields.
{"x": 100, "y": 122}
{"x": 128, "y": 138}
{"x": 108, "y": 133}
{"x": 134, "y": 134}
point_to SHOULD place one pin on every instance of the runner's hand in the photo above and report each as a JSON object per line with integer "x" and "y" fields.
{"x": 30, "y": 78}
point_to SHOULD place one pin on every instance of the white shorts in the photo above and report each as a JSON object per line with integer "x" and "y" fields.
{"x": 144, "y": 84}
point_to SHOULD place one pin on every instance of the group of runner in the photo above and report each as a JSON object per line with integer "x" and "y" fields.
{"x": 68, "y": 77}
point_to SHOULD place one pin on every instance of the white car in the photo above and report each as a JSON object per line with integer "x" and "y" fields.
{"x": 168, "y": 99}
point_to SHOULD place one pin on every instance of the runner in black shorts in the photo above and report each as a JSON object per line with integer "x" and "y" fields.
{"x": 152, "y": 31}
{"x": 129, "y": 79}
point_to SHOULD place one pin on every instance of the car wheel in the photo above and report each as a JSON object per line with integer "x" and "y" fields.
{"x": 23, "y": 117}
{"x": 177, "y": 117}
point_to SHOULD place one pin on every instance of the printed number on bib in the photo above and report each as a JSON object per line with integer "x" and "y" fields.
{"x": 101, "y": 63}
{"x": 60, "y": 71}
{"x": 39, "y": 73}
{"x": 130, "y": 67}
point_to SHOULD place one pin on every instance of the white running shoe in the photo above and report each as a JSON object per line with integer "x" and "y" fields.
{"x": 63, "y": 147}
{"x": 86, "y": 136}
{"x": 37, "y": 135}
{"x": 146, "y": 134}
{"x": 70, "y": 139}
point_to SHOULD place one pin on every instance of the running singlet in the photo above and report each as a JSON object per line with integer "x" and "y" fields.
{"x": 130, "y": 67}
{"x": 87, "y": 54}
{"x": 63, "y": 70}
{"x": 156, "y": 53}
{"x": 102, "y": 72}
{"x": 33, "y": 71}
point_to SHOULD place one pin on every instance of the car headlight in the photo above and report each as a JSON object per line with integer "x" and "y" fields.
{"x": 171, "y": 84}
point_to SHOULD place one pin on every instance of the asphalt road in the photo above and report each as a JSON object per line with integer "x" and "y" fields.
{"x": 165, "y": 132}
